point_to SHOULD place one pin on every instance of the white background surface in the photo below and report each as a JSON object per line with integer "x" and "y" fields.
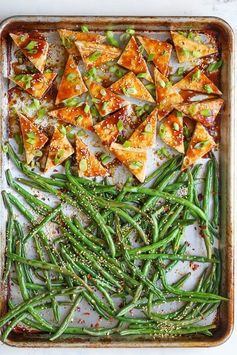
{"x": 227, "y": 9}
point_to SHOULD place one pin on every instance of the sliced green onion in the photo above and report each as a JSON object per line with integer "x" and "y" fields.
{"x": 150, "y": 57}
{"x": 196, "y": 76}
{"x": 84, "y": 28}
{"x": 83, "y": 165}
{"x": 58, "y": 156}
{"x": 148, "y": 128}
{"x": 135, "y": 165}
{"x": 71, "y": 76}
{"x": 105, "y": 158}
{"x": 162, "y": 83}
{"x": 196, "y": 54}
{"x": 127, "y": 144}
{"x": 87, "y": 108}
{"x": 179, "y": 114}
{"x": 208, "y": 88}
{"x": 105, "y": 106}
{"x": 162, "y": 131}
{"x": 120, "y": 125}
{"x": 180, "y": 71}
{"x": 31, "y": 138}
{"x": 175, "y": 126}
{"x": 94, "y": 56}
{"x": 35, "y": 104}
{"x": 63, "y": 130}
{"x": 110, "y": 38}
{"x": 141, "y": 75}
{"x": 201, "y": 144}
{"x": 130, "y": 31}
{"x": 163, "y": 152}
{"x": 206, "y": 112}
{"x": 214, "y": 66}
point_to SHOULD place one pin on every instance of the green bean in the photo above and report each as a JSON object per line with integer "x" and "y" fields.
{"x": 165, "y": 331}
{"x": 25, "y": 194}
{"x": 100, "y": 332}
{"x": 99, "y": 260}
{"x": 131, "y": 221}
{"x": 153, "y": 246}
{"x": 37, "y": 286}
{"x": 88, "y": 255}
{"x": 180, "y": 251}
{"x": 61, "y": 270}
{"x": 169, "y": 197}
{"x": 43, "y": 222}
{"x": 161, "y": 169}
{"x": 139, "y": 273}
{"x": 31, "y": 219}
{"x": 170, "y": 221}
{"x": 100, "y": 311}
{"x": 174, "y": 299}
{"x": 86, "y": 182}
{"x": 59, "y": 176}
{"x": 155, "y": 231}
{"x": 13, "y": 324}
{"x": 200, "y": 259}
{"x": 92, "y": 238}
{"x": 24, "y": 306}
{"x": 207, "y": 186}
{"x": 35, "y": 325}
{"x": 84, "y": 202}
{"x": 67, "y": 319}
{"x": 137, "y": 294}
{"x": 9, "y": 233}
{"x": 174, "y": 187}
{"x": 206, "y": 198}
{"x": 215, "y": 192}
{"x": 80, "y": 232}
{"x": 187, "y": 293}
{"x": 84, "y": 269}
{"x": 31, "y": 184}
{"x": 21, "y": 278}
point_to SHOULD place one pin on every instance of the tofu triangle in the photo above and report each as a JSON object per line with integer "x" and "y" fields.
{"x": 88, "y": 164}
{"x": 78, "y": 116}
{"x": 71, "y": 84}
{"x": 33, "y": 138}
{"x": 34, "y": 47}
{"x": 132, "y": 59}
{"x": 59, "y": 150}
{"x": 134, "y": 159}
{"x": 201, "y": 143}
{"x": 95, "y": 54}
{"x": 105, "y": 100}
{"x": 109, "y": 130}
{"x": 130, "y": 85}
{"x": 196, "y": 80}
{"x": 145, "y": 134}
{"x": 188, "y": 50}
{"x": 167, "y": 96}
{"x": 204, "y": 112}
{"x": 158, "y": 51}
{"x": 69, "y": 38}
{"x": 171, "y": 131}
{"x": 35, "y": 84}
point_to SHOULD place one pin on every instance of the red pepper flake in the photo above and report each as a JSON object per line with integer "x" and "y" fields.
{"x": 193, "y": 266}
{"x": 200, "y": 197}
